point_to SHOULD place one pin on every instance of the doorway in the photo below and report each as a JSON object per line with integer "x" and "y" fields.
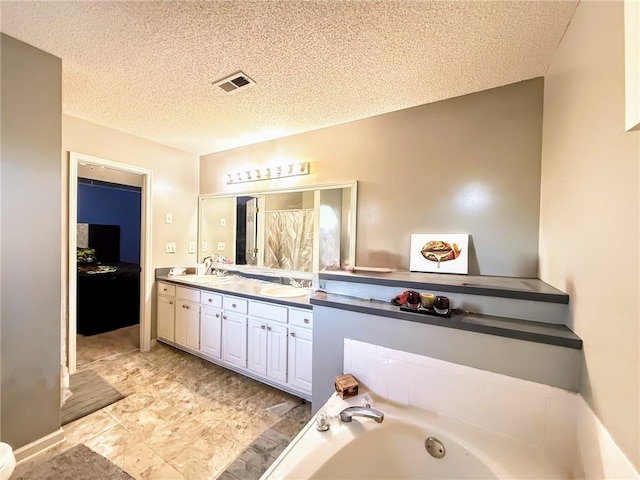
{"x": 79, "y": 162}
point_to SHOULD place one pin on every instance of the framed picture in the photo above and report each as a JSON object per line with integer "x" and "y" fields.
{"x": 439, "y": 253}
{"x": 632, "y": 64}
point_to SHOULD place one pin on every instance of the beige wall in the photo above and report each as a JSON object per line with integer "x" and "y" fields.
{"x": 589, "y": 218}
{"x": 465, "y": 165}
{"x": 175, "y": 181}
{"x": 174, "y": 187}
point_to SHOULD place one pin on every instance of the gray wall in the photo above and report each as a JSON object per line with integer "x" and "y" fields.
{"x": 31, "y": 243}
{"x": 542, "y": 363}
{"x": 469, "y": 164}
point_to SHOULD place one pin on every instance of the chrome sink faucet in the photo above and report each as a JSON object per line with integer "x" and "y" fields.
{"x": 348, "y": 413}
{"x": 294, "y": 283}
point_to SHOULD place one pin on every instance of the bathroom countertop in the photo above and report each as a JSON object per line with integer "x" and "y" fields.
{"x": 506, "y": 287}
{"x": 241, "y": 287}
{"x": 549, "y": 333}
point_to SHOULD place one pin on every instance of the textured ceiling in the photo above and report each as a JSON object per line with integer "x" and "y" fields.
{"x": 146, "y": 68}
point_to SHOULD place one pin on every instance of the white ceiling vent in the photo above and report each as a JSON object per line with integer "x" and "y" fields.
{"x": 234, "y": 83}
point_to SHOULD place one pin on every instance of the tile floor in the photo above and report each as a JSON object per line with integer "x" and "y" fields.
{"x": 183, "y": 417}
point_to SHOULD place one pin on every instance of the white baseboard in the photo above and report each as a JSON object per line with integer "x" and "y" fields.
{"x": 40, "y": 445}
{"x": 600, "y": 457}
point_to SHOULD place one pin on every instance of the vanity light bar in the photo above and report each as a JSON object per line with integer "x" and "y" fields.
{"x": 268, "y": 173}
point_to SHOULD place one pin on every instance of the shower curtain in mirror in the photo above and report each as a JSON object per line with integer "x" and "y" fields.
{"x": 289, "y": 239}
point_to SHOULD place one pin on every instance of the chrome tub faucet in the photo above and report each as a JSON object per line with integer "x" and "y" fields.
{"x": 348, "y": 413}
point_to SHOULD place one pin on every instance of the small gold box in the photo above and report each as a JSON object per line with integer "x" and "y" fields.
{"x": 346, "y": 385}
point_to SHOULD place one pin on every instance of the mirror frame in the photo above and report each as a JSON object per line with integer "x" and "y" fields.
{"x": 260, "y": 194}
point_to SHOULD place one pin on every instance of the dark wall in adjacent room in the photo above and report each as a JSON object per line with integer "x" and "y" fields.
{"x": 112, "y": 204}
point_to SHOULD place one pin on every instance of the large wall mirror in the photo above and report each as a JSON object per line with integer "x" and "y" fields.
{"x": 304, "y": 230}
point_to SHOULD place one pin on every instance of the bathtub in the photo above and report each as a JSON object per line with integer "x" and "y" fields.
{"x": 395, "y": 449}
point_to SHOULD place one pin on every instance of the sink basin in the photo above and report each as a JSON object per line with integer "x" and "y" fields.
{"x": 284, "y": 292}
{"x": 202, "y": 279}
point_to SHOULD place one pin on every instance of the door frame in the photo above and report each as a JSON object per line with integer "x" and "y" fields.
{"x": 146, "y": 277}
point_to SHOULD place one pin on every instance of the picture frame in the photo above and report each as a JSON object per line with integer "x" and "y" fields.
{"x": 439, "y": 253}
{"x": 632, "y": 64}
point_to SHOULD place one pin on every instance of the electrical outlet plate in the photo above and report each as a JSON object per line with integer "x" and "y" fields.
{"x": 221, "y": 246}
{"x": 168, "y": 218}
{"x": 192, "y": 247}
{"x": 205, "y": 246}
{"x": 170, "y": 247}
{"x": 223, "y": 222}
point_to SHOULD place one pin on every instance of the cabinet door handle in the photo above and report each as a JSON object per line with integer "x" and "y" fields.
{"x": 268, "y": 329}
{"x": 233, "y": 305}
{"x": 187, "y": 307}
{"x": 217, "y": 315}
{"x": 170, "y": 303}
{"x": 224, "y": 317}
{"x": 164, "y": 289}
{"x": 293, "y": 334}
{"x": 263, "y": 327}
{"x": 306, "y": 320}
{"x": 210, "y": 300}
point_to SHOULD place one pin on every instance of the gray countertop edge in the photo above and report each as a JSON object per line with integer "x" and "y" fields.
{"x": 490, "y": 291}
{"x": 235, "y": 293}
{"x": 558, "y": 335}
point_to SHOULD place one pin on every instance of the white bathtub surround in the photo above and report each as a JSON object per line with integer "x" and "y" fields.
{"x": 527, "y": 411}
{"x": 601, "y": 457}
{"x": 345, "y": 451}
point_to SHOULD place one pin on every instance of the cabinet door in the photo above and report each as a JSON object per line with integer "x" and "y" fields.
{"x": 166, "y": 318}
{"x": 257, "y": 346}
{"x": 193, "y": 325}
{"x": 234, "y": 339}
{"x": 181, "y": 323}
{"x": 211, "y": 331}
{"x": 277, "y": 352}
{"x": 300, "y": 350}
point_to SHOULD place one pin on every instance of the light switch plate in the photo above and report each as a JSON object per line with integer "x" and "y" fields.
{"x": 205, "y": 246}
{"x": 192, "y": 247}
{"x": 223, "y": 222}
{"x": 221, "y": 246}
{"x": 168, "y": 218}
{"x": 170, "y": 247}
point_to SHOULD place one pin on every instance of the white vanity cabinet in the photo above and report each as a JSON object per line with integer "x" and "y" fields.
{"x": 267, "y": 340}
{"x": 166, "y": 312}
{"x": 187, "y": 322}
{"x": 267, "y": 349}
{"x": 300, "y": 349}
{"x": 234, "y": 330}
{"x": 261, "y": 339}
{"x": 211, "y": 324}
{"x": 234, "y": 339}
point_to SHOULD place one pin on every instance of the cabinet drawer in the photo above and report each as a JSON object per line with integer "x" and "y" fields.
{"x": 211, "y": 299}
{"x": 188, "y": 294}
{"x": 268, "y": 311}
{"x": 235, "y": 304}
{"x": 166, "y": 289}
{"x": 301, "y": 318}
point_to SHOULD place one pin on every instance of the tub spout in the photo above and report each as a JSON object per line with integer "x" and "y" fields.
{"x": 348, "y": 413}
